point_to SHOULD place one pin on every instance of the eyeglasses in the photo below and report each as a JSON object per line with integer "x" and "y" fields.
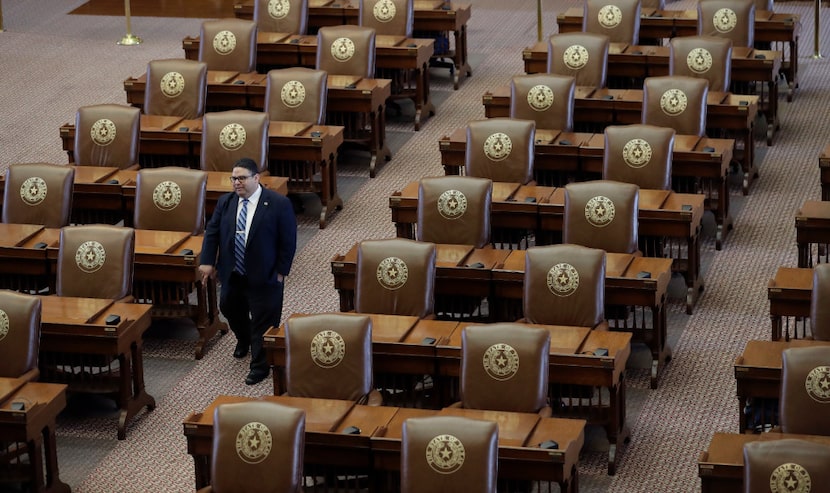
{"x": 240, "y": 179}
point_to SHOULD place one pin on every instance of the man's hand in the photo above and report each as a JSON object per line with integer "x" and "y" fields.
{"x": 207, "y": 271}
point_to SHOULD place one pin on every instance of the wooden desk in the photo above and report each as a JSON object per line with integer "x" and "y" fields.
{"x": 23, "y": 268}
{"x": 812, "y": 232}
{"x": 824, "y": 169}
{"x": 789, "y": 294}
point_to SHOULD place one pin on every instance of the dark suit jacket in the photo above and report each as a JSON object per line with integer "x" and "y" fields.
{"x": 272, "y": 239}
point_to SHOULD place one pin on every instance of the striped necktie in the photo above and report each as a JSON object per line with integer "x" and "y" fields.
{"x": 239, "y": 239}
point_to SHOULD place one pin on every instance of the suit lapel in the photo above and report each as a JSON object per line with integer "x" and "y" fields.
{"x": 261, "y": 210}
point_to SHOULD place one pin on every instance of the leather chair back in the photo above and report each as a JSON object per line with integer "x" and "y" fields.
{"x": 170, "y": 199}
{"x": 500, "y": 149}
{"x": 639, "y": 154}
{"x": 733, "y": 19}
{"x": 785, "y": 465}
{"x": 676, "y": 101}
{"x": 228, "y": 136}
{"x": 547, "y": 99}
{"x": 346, "y": 50}
{"x": 805, "y": 397}
{"x": 602, "y": 214}
{"x": 281, "y": 16}
{"x": 38, "y": 193}
{"x": 583, "y": 56}
{"x": 455, "y": 210}
{"x": 395, "y": 277}
{"x": 107, "y": 135}
{"x": 257, "y": 446}
{"x": 706, "y": 57}
{"x": 504, "y": 367}
{"x": 96, "y": 261}
{"x": 819, "y": 312}
{"x": 228, "y": 44}
{"x": 176, "y": 87}
{"x": 461, "y": 455}
{"x": 618, "y": 19}
{"x": 388, "y": 17}
{"x": 329, "y": 356}
{"x": 296, "y": 94}
{"x": 564, "y": 285}
{"x": 19, "y": 334}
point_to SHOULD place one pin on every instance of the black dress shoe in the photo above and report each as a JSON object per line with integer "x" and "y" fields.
{"x": 254, "y": 377}
{"x": 241, "y": 350}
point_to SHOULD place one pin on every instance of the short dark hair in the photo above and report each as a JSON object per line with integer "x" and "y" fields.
{"x": 248, "y": 164}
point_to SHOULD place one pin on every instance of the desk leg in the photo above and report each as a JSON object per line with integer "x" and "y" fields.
{"x": 694, "y": 282}
{"x": 207, "y": 321}
{"x": 422, "y": 101}
{"x": 405, "y": 230}
{"x": 722, "y": 216}
{"x": 772, "y": 111}
{"x": 132, "y": 393}
{"x": 776, "y": 327}
{"x": 460, "y": 59}
{"x": 742, "y": 418}
{"x": 379, "y": 147}
{"x": 50, "y": 449}
{"x": 748, "y": 163}
{"x": 329, "y": 198}
{"x": 617, "y": 430}
{"x": 661, "y": 352}
{"x": 804, "y": 259}
{"x": 201, "y": 465}
{"x": 792, "y": 76}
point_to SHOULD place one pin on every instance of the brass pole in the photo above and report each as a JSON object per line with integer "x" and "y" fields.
{"x": 817, "y": 34}
{"x": 128, "y": 39}
{"x": 539, "y": 20}
{"x": 1, "y": 16}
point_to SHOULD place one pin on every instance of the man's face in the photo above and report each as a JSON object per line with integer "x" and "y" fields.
{"x": 244, "y": 183}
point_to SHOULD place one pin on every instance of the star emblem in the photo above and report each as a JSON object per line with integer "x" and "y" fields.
{"x": 600, "y": 210}
{"x": 446, "y": 453}
{"x": 501, "y": 360}
{"x": 328, "y": 348}
{"x": 392, "y": 272}
{"x": 563, "y": 279}
{"x": 791, "y": 483}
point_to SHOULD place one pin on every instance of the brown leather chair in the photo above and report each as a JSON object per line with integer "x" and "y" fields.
{"x": 786, "y": 465}
{"x": 228, "y": 44}
{"x": 395, "y": 277}
{"x": 258, "y": 446}
{"x": 228, "y": 136}
{"x": 547, "y": 99}
{"x": 107, "y": 135}
{"x": 676, "y": 101}
{"x": 733, "y": 19}
{"x": 461, "y": 455}
{"x": 706, "y": 57}
{"x": 296, "y": 94}
{"x": 583, "y": 56}
{"x": 19, "y": 335}
{"x": 639, "y": 154}
{"x": 819, "y": 312}
{"x": 602, "y": 214}
{"x": 564, "y": 285}
{"x": 455, "y": 210}
{"x": 388, "y": 17}
{"x": 281, "y": 16}
{"x": 38, "y": 193}
{"x": 176, "y": 87}
{"x": 805, "y": 393}
{"x": 346, "y": 50}
{"x": 500, "y": 149}
{"x": 170, "y": 199}
{"x": 618, "y": 19}
{"x": 96, "y": 261}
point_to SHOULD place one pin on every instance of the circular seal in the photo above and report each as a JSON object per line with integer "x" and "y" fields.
{"x": 609, "y": 16}
{"x": 4, "y": 324}
{"x": 445, "y": 454}
{"x": 600, "y": 211}
{"x": 725, "y": 20}
{"x": 33, "y": 190}
{"x": 172, "y": 84}
{"x": 342, "y": 49}
{"x": 232, "y": 136}
{"x": 90, "y": 256}
{"x": 253, "y": 442}
{"x": 292, "y": 93}
{"x": 224, "y": 42}
{"x": 278, "y": 9}
{"x": 327, "y": 349}
{"x": 392, "y": 273}
{"x": 817, "y": 384}
{"x": 167, "y": 195}
{"x": 790, "y": 478}
{"x": 501, "y": 361}
{"x": 563, "y": 279}
{"x": 540, "y": 97}
{"x": 637, "y": 153}
{"x": 575, "y": 57}
{"x": 384, "y": 10}
{"x": 103, "y": 132}
{"x": 673, "y": 102}
{"x": 699, "y": 60}
{"x": 497, "y": 146}
{"x": 452, "y": 204}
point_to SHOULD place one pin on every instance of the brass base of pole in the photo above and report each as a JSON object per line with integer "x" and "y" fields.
{"x": 129, "y": 40}
{"x": 816, "y": 56}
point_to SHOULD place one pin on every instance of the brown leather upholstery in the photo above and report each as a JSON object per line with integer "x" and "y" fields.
{"x": 388, "y": 17}
{"x": 602, "y": 214}
{"x": 805, "y": 395}
{"x": 170, "y": 199}
{"x": 786, "y": 465}
{"x": 676, "y": 101}
{"x": 504, "y": 367}
{"x": 733, "y": 19}
{"x": 228, "y": 136}
{"x": 448, "y": 454}
{"x": 296, "y": 94}
{"x": 500, "y": 149}
{"x": 257, "y": 446}
{"x": 176, "y": 87}
{"x": 346, "y": 50}
{"x": 107, "y": 135}
{"x": 38, "y": 193}
{"x": 281, "y": 16}
{"x": 819, "y": 312}
{"x": 706, "y": 57}
{"x": 547, "y": 99}
{"x": 96, "y": 261}
{"x": 395, "y": 277}
{"x": 564, "y": 285}
{"x": 455, "y": 210}
{"x": 329, "y": 356}
{"x": 583, "y": 56}
{"x": 228, "y": 44}
{"x": 618, "y": 19}
{"x": 639, "y": 154}
{"x": 20, "y": 342}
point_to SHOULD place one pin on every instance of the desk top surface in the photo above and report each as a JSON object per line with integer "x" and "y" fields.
{"x": 767, "y": 354}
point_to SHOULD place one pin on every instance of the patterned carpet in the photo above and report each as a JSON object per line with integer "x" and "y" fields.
{"x": 52, "y": 62}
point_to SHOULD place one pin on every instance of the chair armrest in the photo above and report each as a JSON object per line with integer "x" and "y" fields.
{"x": 602, "y": 326}
{"x": 31, "y": 375}
{"x": 456, "y": 405}
{"x": 127, "y": 299}
{"x": 373, "y": 398}
{"x": 545, "y": 412}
